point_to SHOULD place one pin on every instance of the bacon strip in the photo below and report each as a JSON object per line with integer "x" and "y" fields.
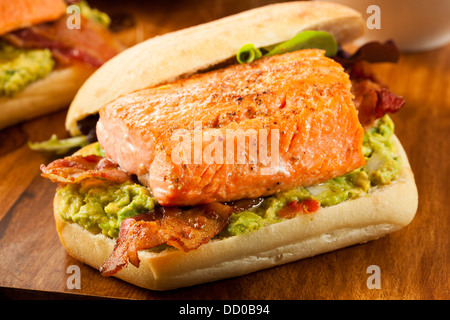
{"x": 92, "y": 44}
{"x": 183, "y": 229}
{"x": 75, "y": 169}
{"x": 372, "y": 98}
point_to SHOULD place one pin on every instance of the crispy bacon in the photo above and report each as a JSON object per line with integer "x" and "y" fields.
{"x": 92, "y": 44}
{"x": 74, "y": 169}
{"x": 183, "y": 229}
{"x": 372, "y": 98}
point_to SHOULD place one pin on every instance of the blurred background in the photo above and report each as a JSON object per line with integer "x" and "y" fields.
{"x": 414, "y": 25}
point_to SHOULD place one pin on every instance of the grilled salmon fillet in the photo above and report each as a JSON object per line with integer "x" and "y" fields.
{"x": 192, "y": 141}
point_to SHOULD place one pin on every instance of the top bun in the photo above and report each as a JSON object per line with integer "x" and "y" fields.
{"x": 16, "y": 14}
{"x": 170, "y": 56}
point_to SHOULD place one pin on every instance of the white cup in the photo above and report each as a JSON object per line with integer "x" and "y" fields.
{"x": 414, "y": 25}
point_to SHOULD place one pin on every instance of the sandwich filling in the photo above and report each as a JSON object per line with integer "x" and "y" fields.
{"x": 101, "y": 207}
{"x": 108, "y": 201}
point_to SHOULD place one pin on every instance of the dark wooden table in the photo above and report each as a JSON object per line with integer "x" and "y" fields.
{"x": 414, "y": 262}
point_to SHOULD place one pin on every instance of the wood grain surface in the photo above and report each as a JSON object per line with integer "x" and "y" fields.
{"x": 414, "y": 262}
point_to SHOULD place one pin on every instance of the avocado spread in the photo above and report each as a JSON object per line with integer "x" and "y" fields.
{"x": 101, "y": 208}
{"x": 94, "y": 14}
{"x": 19, "y": 67}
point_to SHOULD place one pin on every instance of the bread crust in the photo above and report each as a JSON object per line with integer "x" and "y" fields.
{"x": 167, "y": 57}
{"x": 43, "y": 96}
{"x": 385, "y": 210}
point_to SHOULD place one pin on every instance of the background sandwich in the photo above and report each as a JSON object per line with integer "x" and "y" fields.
{"x": 240, "y": 237}
{"x": 43, "y": 62}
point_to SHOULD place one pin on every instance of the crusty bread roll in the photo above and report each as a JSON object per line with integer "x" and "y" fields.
{"x": 384, "y": 210}
{"x": 167, "y": 57}
{"x": 43, "y": 96}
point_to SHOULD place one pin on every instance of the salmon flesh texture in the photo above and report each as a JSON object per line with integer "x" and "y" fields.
{"x": 296, "y": 108}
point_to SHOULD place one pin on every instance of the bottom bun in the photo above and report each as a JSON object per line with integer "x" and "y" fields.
{"x": 44, "y": 96}
{"x": 384, "y": 210}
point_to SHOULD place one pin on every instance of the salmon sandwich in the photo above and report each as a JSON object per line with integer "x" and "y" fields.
{"x": 233, "y": 146}
{"x": 48, "y": 48}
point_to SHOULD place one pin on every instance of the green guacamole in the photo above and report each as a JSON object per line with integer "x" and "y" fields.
{"x": 19, "y": 68}
{"x": 94, "y": 14}
{"x": 102, "y": 208}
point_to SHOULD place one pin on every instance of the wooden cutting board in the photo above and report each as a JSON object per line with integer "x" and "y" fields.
{"x": 413, "y": 262}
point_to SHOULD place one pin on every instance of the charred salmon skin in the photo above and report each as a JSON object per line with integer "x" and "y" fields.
{"x": 193, "y": 141}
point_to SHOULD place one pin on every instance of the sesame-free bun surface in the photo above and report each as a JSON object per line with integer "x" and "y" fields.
{"x": 384, "y": 210}
{"x": 172, "y": 55}
{"x": 46, "y": 95}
